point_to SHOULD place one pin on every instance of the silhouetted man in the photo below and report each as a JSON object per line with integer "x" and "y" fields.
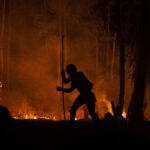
{"x": 84, "y": 86}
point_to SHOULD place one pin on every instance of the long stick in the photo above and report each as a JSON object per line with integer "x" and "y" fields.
{"x": 62, "y": 80}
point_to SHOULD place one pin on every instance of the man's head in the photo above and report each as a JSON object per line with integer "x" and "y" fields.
{"x": 71, "y": 69}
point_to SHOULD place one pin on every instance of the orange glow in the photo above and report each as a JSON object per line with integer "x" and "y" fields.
{"x": 26, "y": 116}
{"x": 124, "y": 115}
{"x": 52, "y": 117}
{"x": 23, "y": 116}
{"x": 34, "y": 117}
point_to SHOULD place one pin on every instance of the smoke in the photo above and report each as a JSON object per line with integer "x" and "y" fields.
{"x": 34, "y": 67}
{"x": 34, "y": 58}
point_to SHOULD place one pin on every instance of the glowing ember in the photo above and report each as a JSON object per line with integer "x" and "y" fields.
{"x": 34, "y": 116}
{"x": 124, "y": 115}
{"x": 26, "y": 116}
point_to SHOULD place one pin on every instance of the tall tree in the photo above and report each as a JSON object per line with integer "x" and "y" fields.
{"x": 136, "y": 106}
{"x": 120, "y": 41}
{"x": 114, "y": 20}
{"x": 4, "y": 47}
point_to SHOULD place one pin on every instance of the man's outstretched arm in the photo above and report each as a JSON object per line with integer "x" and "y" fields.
{"x": 65, "y": 90}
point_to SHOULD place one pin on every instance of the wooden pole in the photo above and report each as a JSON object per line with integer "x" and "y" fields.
{"x": 63, "y": 96}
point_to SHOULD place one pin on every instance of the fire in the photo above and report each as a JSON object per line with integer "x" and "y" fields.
{"x": 34, "y": 116}
{"x": 103, "y": 107}
{"x": 49, "y": 117}
{"x": 26, "y": 116}
{"x": 124, "y": 115}
{"x": 76, "y": 118}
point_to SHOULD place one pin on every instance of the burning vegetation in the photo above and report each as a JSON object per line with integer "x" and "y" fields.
{"x": 50, "y": 116}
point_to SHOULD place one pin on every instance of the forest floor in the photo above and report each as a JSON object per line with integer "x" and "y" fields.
{"x": 45, "y": 134}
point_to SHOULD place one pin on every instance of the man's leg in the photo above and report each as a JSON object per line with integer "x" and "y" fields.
{"x": 92, "y": 112}
{"x": 78, "y": 102}
{"x": 91, "y": 107}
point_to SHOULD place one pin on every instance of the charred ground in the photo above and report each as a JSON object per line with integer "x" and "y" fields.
{"x": 45, "y": 134}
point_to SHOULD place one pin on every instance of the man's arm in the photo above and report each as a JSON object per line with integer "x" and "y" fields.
{"x": 65, "y": 80}
{"x": 65, "y": 90}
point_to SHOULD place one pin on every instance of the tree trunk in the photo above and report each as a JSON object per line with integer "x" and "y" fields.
{"x": 136, "y": 106}
{"x": 121, "y": 62}
{"x": 5, "y": 49}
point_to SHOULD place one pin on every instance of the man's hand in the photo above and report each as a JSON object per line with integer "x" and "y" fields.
{"x": 59, "y": 88}
{"x": 63, "y": 73}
